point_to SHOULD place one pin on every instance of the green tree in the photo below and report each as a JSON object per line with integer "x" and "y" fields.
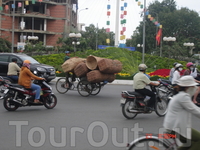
{"x": 5, "y": 45}
{"x": 180, "y": 23}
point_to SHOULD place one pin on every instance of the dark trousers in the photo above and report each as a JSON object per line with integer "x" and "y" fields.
{"x": 72, "y": 76}
{"x": 146, "y": 92}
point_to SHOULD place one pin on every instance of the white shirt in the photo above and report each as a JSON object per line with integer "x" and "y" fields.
{"x": 176, "y": 76}
{"x": 178, "y": 117}
{"x": 194, "y": 73}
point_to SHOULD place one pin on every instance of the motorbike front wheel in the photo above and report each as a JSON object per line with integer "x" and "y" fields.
{"x": 9, "y": 104}
{"x": 161, "y": 107}
{"x": 50, "y": 101}
{"x": 126, "y": 110}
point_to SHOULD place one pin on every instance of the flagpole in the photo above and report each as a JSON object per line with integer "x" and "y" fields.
{"x": 161, "y": 45}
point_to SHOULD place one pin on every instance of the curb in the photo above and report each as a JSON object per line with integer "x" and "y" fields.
{"x": 117, "y": 82}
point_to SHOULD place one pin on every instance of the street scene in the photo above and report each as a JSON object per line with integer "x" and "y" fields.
{"x": 85, "y": 123}
{"x": 99, "y": 74}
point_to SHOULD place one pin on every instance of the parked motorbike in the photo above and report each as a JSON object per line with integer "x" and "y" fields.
{"x": 133, "y": 103}
{"x": 3, "y": 88}
{"x": 18, "y": 96}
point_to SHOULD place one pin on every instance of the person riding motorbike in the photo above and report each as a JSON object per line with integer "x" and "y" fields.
{"x": 191, "y": 71}
{"x": 13, "y": 70}
{"x": 172, "y": 72}
{"x": 176, "y": 77}
{"x": 25, "y": 78}
{"x": 140, "y": 80}
{"x": 178, "y": 117}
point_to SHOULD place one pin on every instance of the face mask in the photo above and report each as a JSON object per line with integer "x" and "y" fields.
{"x": 192, "y": 90}
{"x": 191, "y": 68}
{"x": 180, "y": 69}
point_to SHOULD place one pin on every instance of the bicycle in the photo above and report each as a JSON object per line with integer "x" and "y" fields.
{"x": 83, "y": 87}
{"x": 163, "y": 141}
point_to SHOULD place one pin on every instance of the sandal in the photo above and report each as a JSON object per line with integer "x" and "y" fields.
{"x": 37, "y": 101}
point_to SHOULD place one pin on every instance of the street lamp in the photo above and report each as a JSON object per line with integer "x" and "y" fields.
{"x": 139, "y": 45}
{"x": 75, "y": 37}
{"x": 169, "y": 39}
{"x": 173, "y": 39}
{"x": 189, "y": 45}
{"x": 78, "y": 24}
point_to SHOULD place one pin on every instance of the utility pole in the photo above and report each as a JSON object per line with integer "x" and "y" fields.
{"x": 117, "y": 24}
{"x": 13, "y": 27}
{"x": 144, "y": 20}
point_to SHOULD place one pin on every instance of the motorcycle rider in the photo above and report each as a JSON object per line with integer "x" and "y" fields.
{"x": 25, "y": 78}
{"x": 172, "y": 72}
{"x": 191, "y": 71}
{"x": 176, "y": 76}
{"x": 13, "y": 70}
{"x": 140, "y": 80}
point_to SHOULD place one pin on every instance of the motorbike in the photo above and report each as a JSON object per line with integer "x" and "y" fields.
{"x": 3, "y": 88}
{"x": 18, "y": 96}
{"x": 133, "y": 103}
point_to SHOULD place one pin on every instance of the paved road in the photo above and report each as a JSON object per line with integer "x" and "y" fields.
{"x": 76, "y": 123}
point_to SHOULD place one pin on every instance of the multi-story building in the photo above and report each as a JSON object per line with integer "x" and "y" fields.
{"x": 46, "y": 19}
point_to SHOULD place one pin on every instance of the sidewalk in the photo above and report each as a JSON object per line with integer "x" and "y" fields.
{"x": 122, "y": 82}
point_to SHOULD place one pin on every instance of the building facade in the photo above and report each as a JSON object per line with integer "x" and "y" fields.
{"x": 46, "y": 19}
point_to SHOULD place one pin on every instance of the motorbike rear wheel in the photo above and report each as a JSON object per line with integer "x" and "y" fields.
{"x": 50, "y": 101}
{"x": 60, "y": 86}
{"x": 9, "y": 104}
{"x": 126, "y": 110}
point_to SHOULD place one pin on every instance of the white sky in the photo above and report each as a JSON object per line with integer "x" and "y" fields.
{"x": 97, "y": 12}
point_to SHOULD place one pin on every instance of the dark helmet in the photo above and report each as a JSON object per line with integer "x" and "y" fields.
{"x": 14, "y": 59}
{"x": 175, "y": 64}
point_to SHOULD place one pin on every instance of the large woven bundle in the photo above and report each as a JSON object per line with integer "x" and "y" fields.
{"x": 81, "y": 69}
{"x": 96, "y": 76}
{"x": 109, "y": 66}
{"x": 92, "y": 61}
{"x": 71, "y": 63}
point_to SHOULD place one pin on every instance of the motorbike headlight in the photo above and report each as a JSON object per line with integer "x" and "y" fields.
{"x": 41, "y": 69}
{"x": 35, "y": 72}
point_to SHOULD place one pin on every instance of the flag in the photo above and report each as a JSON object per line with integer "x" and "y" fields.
{"x": 158, "y": 36}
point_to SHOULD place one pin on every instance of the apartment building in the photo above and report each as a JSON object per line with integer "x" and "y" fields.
{"x": 45, "y": 19}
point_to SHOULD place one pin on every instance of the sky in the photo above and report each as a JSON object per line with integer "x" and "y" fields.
{"x": 97, "y": 12}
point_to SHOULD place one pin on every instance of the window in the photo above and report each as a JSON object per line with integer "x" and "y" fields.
{"x": 18, "y": 60}
{"x": 4, "y": 58}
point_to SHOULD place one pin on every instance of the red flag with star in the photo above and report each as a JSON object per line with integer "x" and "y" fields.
{"x": 158, "y": 36}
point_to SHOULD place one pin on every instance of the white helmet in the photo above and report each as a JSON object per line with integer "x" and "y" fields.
{"x": 142, "y": 67}
{"x": 178, "y": 65}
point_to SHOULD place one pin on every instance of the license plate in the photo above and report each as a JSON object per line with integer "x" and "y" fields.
{"x": 52, "y": 73}
{"x": 122, "y": 101}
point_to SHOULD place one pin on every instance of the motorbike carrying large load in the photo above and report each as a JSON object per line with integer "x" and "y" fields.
{"x": 71, "y": 63}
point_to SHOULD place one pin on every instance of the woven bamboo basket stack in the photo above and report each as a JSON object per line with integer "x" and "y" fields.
{"x": 96, "y": 69}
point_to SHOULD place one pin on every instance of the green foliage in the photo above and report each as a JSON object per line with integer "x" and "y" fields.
{"x": 5, "y": 45}
{"x": 180, "y": 23}
{"x": 129, "y": 59}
